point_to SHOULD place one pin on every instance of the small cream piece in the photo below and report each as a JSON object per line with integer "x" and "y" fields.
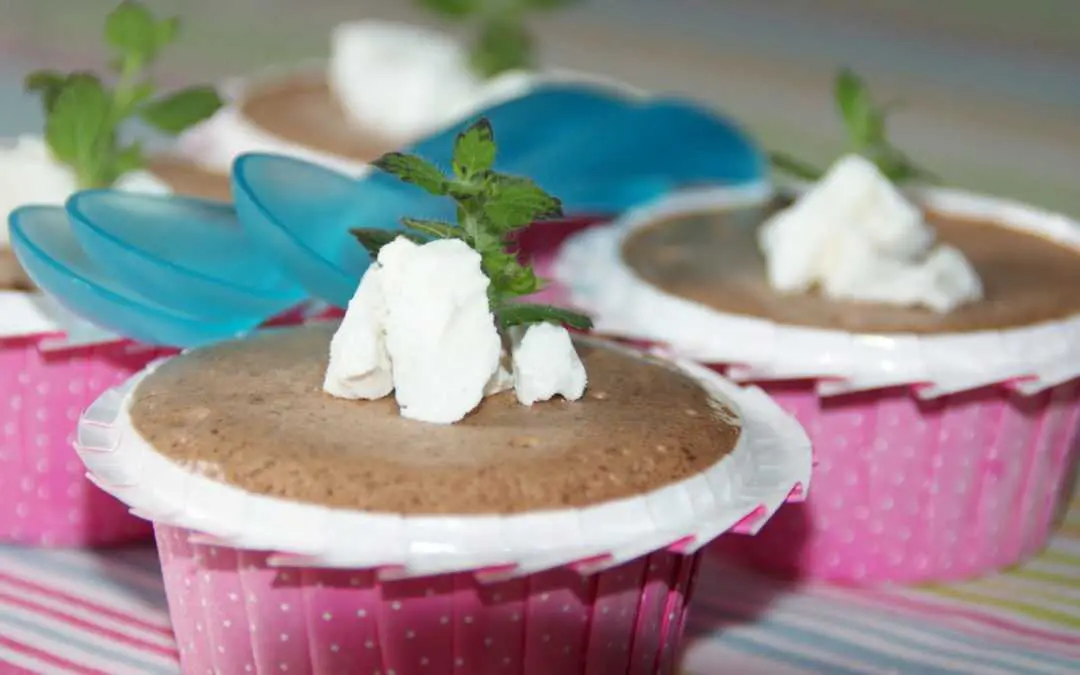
{"x": 546, "y": 364}
{"x": 29, "y": 174}
{"x": 856, "y": 237}
{"x": 440, "y": 332}
{"x": 403, "y": 81}
{"x": 420, "y": 324}
{"x": 359, "y": 362}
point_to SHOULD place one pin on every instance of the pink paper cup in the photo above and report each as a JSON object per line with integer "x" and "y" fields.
{"x": 47, "y": 499}
{"x": 45, "y": 385}
{"x": 232, "y": 613}
{"x": 910, "y": 490}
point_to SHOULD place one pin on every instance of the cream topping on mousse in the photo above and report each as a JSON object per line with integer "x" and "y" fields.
{"x": 402, "y": 81}
{"x": 421, "y": 326}
{"x": 437, "y": 318}
{"x": 854, "y": 236}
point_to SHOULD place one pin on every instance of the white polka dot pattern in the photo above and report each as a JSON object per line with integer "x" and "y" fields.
{"x": 913, "y": 490}
{"x": 47, "y": 499}
{"x": 234, "y": 614}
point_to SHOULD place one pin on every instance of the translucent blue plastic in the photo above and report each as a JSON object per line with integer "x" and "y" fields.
{"x": 300, "y": 215}
{"x": 186, "y": 254}
{"x": 178, "y": 271}
{"x": 42, "y": 238}
{"x": 599, "y": 153}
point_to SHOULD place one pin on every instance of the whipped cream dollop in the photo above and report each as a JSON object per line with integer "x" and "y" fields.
{"x": 29, "y": 174}
{"x": 420, "y": 325}
{"x": 854, "y": 236}
{"x": 403, "y": 81}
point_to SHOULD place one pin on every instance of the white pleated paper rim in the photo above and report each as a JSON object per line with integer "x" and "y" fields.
{"x": 770, "y": 464}
{"x": 217, "y": 142}
{"x": 1029, "y": 359}
{"x": 33, "y": 314}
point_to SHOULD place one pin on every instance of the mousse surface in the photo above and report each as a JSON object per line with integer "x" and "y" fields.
{"x": 303, "y": 110}
{"x": 713, "y": 258}
{"x": 188, "y": 179}
{"x": 253, "y": 414}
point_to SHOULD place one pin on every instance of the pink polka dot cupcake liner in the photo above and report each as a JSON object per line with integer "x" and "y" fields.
{"x": 233, "y": 613}
{"x": 52, "y": 367}
{"x": 915, "y": 490}
{"x": 937, "y": 458}
{"x": 47, "y": 499}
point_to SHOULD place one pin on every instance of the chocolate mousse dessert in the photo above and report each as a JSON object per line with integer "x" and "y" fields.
{"x": 713, "y": 258}
{"x": 187, "y": 178}
{"x": 720, "y": 257}
{"x": 447, "y": 470}
{"x": 925, "y": 337}
{"x": 304, "y": 111}
{"x": 255, "y": 412}
{"x": 385, "y": 85}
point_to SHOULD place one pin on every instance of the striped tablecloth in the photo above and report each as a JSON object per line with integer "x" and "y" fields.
{"x": 80, "y": 612}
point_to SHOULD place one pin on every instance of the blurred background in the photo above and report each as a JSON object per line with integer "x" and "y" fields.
{"x": 991, "y": 88}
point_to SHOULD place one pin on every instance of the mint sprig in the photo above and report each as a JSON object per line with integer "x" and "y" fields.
{"x": 865, "y": 124}
{"x": 501, "y": 40}
{"x": 84, "y": 116}
{"x": 491, "y": 207}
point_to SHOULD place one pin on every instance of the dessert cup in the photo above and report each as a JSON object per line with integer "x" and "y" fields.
{"x": 295, "y": 112}
{"x": 472, "y": 558}
{"x": 52, "y": 366}
{"x": 943, "y": 445}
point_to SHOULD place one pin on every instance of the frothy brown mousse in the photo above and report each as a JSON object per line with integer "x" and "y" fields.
{"x": 303, "y": 110}
{"x": 191, "y": 180}
{"x": 713, "y": 259}
{"x": 252, "y": 413}
{"x": 183, "y": 176}
{"x": 12, "y": 275}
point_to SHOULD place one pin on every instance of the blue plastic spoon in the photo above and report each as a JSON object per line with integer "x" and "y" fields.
{"x": 186, "y": 254}
{"x": 42, "y": 239}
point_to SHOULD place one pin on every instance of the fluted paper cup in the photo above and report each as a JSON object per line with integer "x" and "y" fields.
{"x": 263, "y": 585}
{"x": 51, "y": 369}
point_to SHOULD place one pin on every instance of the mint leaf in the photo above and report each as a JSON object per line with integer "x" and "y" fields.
{"x": 489, "y": 206}
{"x": 864, "y": 124}
{"x": 48, "y": 84}
{"x": 898, "y": 167}
{"x": 373, "y": 239}
{"x": 433, "y": 228}
{"x": 502, "y": 44}
{"x": 517, "y": 314}
{"x": 414, "y": 170}
{"x": 128, "y": 159}
{"x": 509, "y": 278}
{"x": 474, "y": 150}
{"x": 131, "y": 31}
{"x": 515, "y": 202}
{"x": 794, "y": 167}
{"x": 79, "y": 127}
{"x": 84, "y": 117}
{"x": 165, "y": 32}
{"x": 181, "y": 110}
{"x": 452, "y": 9}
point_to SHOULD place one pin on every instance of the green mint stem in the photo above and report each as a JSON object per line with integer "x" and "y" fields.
{"x": 124, "y": 93}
